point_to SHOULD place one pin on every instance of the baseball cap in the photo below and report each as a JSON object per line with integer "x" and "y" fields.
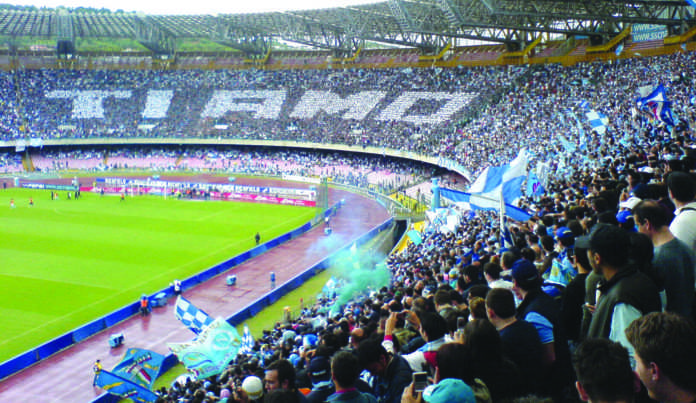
{"x": 630, "y": 203}
{"x": 319, "y": 369}
{"x": 524, "y": 272}
{"x": 449, "y": 390}
{"x": 623, "y": 216}
{"x": 563, "y": 233}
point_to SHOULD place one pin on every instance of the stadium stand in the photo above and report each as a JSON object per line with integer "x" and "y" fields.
{"x": 584, "y": 167}
{"x": 578, "y": 180}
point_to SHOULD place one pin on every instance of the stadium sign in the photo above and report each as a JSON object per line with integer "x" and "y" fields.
{"x": 417, "y": 107}
{"x": 648, "y": 32}
{"x": 221, "y": 187}
{"x": 48, "y": 186}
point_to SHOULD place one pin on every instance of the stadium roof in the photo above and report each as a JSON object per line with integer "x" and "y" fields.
{"x": 428, "y": 25}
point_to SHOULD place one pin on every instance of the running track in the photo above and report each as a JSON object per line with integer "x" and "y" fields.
{"x": 67, "y": 376}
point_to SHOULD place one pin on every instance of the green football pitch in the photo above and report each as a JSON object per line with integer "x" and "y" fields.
{"x": 67, "y": 262}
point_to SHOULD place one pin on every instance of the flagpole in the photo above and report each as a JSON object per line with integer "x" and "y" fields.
{"x": 502, "y": 219}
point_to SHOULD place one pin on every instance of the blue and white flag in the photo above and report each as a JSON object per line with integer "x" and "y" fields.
{"x": 247, "y": 342}
{"x": 663, "y": 112}
{"x": 692, "y": 3}
{"x": 506, "y": 236}
{"x": 476, "y": 202}
{"x": 194, "y": 318}
{"x": 505, "y": 180}
{"x": 658, "y": 94}
{"x": 489, "y": 179}
{"x": 656, "y": 101}
{"x": 597, "y": 120}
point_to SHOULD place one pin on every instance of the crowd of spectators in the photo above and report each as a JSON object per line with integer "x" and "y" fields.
{"x": 609, "y": 247}
{"x": 10, "y": 163}
{"x": 524, "y": 321}
{"x": 10, "y": 124}
{"x": 516, "y": 106}
{"x": 86, "y": 104}
{"x": 379, "y": 173}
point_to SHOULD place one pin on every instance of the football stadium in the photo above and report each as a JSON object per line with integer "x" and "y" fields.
{"x": 400, "y": 201}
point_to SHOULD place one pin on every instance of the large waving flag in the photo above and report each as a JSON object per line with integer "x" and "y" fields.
{"x": 505, "y": 180}
{"x": 140, "y": 366}
{"x": 476, "y": 202}
{"x": 194, "y": 318}
{"x": 122, "y": 387}
{"x": 489, "y": 179}
{"x": 213, "y": 349}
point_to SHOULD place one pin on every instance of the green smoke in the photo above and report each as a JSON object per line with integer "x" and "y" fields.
{"x": 359, "y": 272}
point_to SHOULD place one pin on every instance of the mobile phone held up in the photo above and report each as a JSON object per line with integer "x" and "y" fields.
{"x": 420, "y": 381}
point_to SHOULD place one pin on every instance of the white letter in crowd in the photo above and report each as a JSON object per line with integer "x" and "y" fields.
{"x": 400, "y": 106}
{"x": 268, "y": 107}
{"x": 358, "y": 105}
{"x": 88, "y": 104}
{"x": 157, "y": 104}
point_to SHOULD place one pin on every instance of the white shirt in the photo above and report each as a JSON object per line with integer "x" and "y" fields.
{"x": 683, "y": 227}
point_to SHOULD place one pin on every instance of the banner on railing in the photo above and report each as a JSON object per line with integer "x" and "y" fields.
{"x": 255, "y": 198}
